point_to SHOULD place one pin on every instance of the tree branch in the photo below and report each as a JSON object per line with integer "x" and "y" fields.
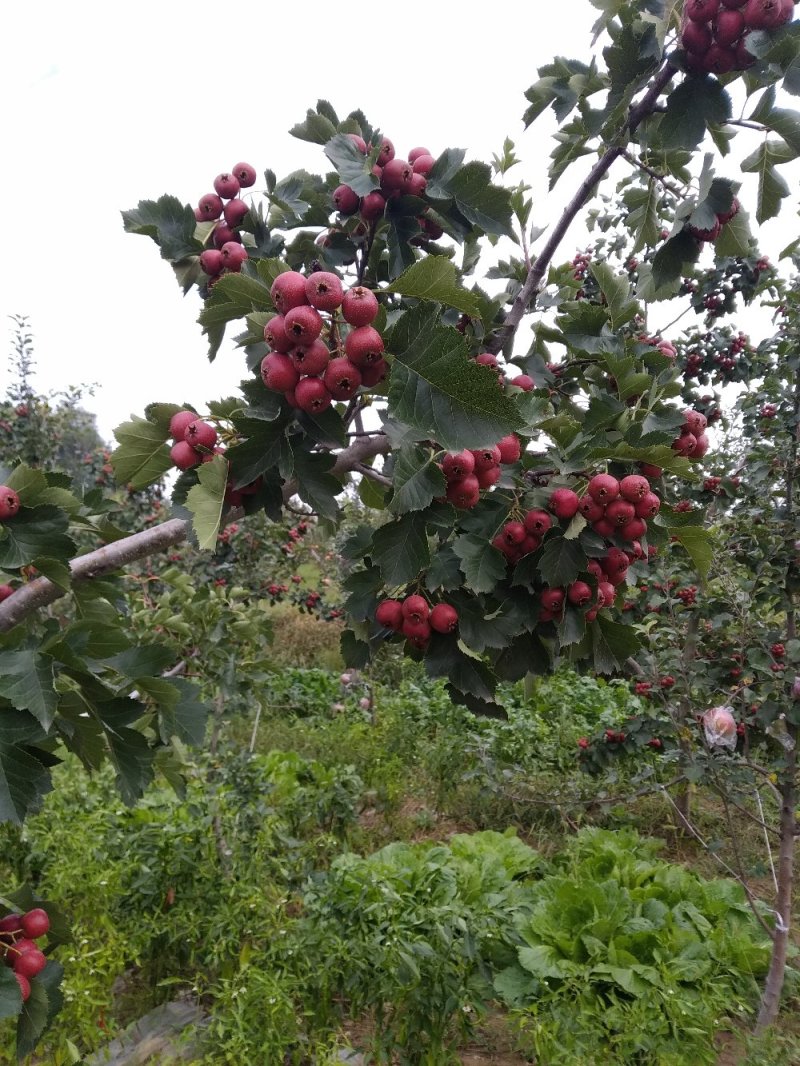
{"x": 526, "y": 297}
{"x": 110, "y": 557}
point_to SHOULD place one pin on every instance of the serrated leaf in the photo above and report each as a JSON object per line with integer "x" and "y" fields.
{"x": 315, "y": 485}
{"x": 372, "y": 494}
{"x": 184, "y": 717}
{"x": 697, "y": 543}
{"x": 168, "y": 222}
{"x": 673, "y": 257}
{"x": 354, "y": 168}
{"x": 561, "y": 561}
{"x": 483, "y": 564}
{"x": 34, "y": 532}
{"x": 355, "y": 652}
{"x": 416, "y": 480}
{"x": 485, "y": 205}
{"x": 317, "y": 128}
{"x": 436, "y": 389}
{"x": 436, "y": 278}
{"x": 23, "y": 780}
{"x": 772, "y": 187}
{"x": 142, "y": 456}
{"x": 26, "y": 680}
{"x": 468, "y": 675}
{"x": 735, "y": 239}
{"x": 692, "y": 106}
{"x": 400, "y": 549}
{"x": 642, "y": 220}
{"x": 205, "y": 501}
{"x": 265, "y": 448}
{"x": 55, "y": 570}
{"x": 616, "y": 288}
{"x": 10, "y": 994}
{"x": 613, "y": 643}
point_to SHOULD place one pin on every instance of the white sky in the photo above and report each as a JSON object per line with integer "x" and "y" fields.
{"x": 106, "y": 104}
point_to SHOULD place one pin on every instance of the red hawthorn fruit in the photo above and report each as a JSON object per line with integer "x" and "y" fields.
{"x": 701, "y": 10}
{"x": 364, "y": 345}
{"x": 5, "y": 592}
{"x": 603, "y": 488}
{"x": 685, "y": 444}
{"x": 486, "y": 359}
{"x": 717, "y": 60}
{"x": 615, "y": 562}
{"x": 9, "y": 502}
{"x": 642, "y": 688}
{"x": 694, "y": 421}
{"x": 276, "y": 336}
{"x": 457, "y": 465}
{"x": 696, "y": 37}
{"x": 374, "y": 373}
{"x": 486, "y": 458}
{"x": 211, "y": 261}
{"x": 345, "y": 200}
{"x": 415, "y": 608}
{"x": 553, "y": 600}
{"x": 303, "y": 324}
{"x": 359, "y": 142}
{"x": 389, "y": 613}
{"x": 766, "y": 14}
{"x": 778, "y": 650}
{"x": 359, "y": 306}
{"x": 591, "y": 510}
{"x": 244, "y": 174}
{"x": 607, "y": 591}
{"x": 372, "y": 207}
{"x": 531, "y": 543}
{"x": 654, "y": 743}
{"x": 650, "y": 471}
{"x": 729, "y": 27}
{"x": 633, "y": 530}
{"x": 701, "y": 446}
{"x": 418, "y": 633}
{"x": 416, "y": 152}
{"x": 233, "y": 255}
{"x": 510, "y": 449}
{"x": 184, "y": 456}
{"x": 522, "y": 381}
{"x": 30, "y": 962}
{"x": 223, "y": 234}
{"x": 279, "y": 373}
{"x": 324, "y": 290}
{"x": 443, "y": 618}
{"x": 226, "y": 185}
{"x": 209, "y": 207}
{"x": 312, "y": 358}
{"x": 634, "y": 488}
{"x": 591, "y": 614}
{"x": 200, "y": 434}
{"x": 604, "y": 528}
{"x": 594, "y": 568}
{"x": 579, "y": 593}
{"x": 312, "y": 395}
{"x": 583, "y": 742}
{"x": 396, "y": 176}
{"x": 546, "y": 616}
{"x": 288, "y": 291}
{"x": 513, "y": 533}
{"x": 619, "y": 513}
{"x": 234, "y": 212}
{"x": 509, "y": 550}
{"x": 464, "y": 492}
{"x": 537, "y": 522}
{"x": 487, "y": 478}
{"x": 648, "y": 506}
{"x": 564, "y": 503}
{"x": 423, "y": 164}
{"x": 180, "y": 422}
{"x": 342, "y": 379}
{"x": 35, "y": 923}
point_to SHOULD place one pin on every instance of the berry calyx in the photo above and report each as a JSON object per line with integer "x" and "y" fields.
{"x": 200, "y": 434}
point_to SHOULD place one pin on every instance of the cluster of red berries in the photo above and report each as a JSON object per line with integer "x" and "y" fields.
{"x": 300, "y": 363}
{"x": 692, "y": 441}
{"x": 688, "y": 596}
{"x": 667, "y": 348}
{"x": 397, "y": 177}
{"x": 18, "y": 936}
{"x": 714, "y": 31}
{"x": 415, "y": 619}
{"x": 196, "y": 443}
{"x": 768, "y": 410}
{"x": 713, "y": 485}
{"x": 228, "y": 253}
{"x": 712, "y": 232}
{"x": 469, "y": 471}
{"x": 619, "y": 508}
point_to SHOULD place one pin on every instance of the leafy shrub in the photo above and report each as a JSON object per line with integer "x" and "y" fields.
{"x": 626, "y": 959}
{"x": 302, "y": 691}
{"x": 301, "y": 639}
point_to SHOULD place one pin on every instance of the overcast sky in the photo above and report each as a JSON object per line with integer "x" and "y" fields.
{"x": 107, "y": 104}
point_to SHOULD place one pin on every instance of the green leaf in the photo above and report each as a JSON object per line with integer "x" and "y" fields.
{"x": 266, "y": 447}
{"x": 416, "y": 480}
{"x": 561, "y": 561}
{"x": 772, "y": 188}
{"x": 673, "y": 257}
{"x": 37, "y": 1016}
{"x": 735, "y": 239}
{"x": 484, "y": 566}
{"x": 437, "y": 390}
{"x": 34, "y": 532}
{"x": 186, "y": 717}
{"x": 315, "y": 485}
{"x": 697, "y": 543}
{"x": 692, "y": 106}
{"x": 354, "y": 168}
{"x": 26, "y": 680}
{"x": 10, "y": 994}
{"x": 170, "y": 223}
{"x": 142, "y": 456}
{"x": 444, "y": 572}
{"x": 643, "y": 220}
{"x": 132, "y": 760}
{"x": 355, "y": 652}
{"x": 23, "y": 780}
{"x": 436, "y": 278}
{"x": 542, "y": 961}
{"x": 205, "y": 501}
{"x": 485, "y": 205}
{"x": 400, "y": 549}
{"x": 55, "y": 570}
{"x": 616, "y": 288}
{"x": 146, "y": 660}
{"x": 468, "y": 675}
{"x": 317, "y": 128}
{"x": 613, "y": 643}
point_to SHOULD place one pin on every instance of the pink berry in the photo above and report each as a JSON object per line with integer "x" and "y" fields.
{"x": 364, "y": 345}
{"x": 303, "y": 324}
{"x": 342, "y": 379}
{"x": 310, "y": 358}
{"x": 324, "y": 290}
{"x": 288, "y": 291}
{"x": 312, "y": 396}
{"x": 226, "y": 186}
{"x": 200, "y": 434}
{"x": 359, "y": 306}
{"x": 345, "y": 200}
{"x": 245, "y": 174}
{"x": 210, "y": 206}
{"x": 184, "y": 456}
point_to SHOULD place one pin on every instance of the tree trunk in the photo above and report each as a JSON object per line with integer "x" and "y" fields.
{"x": 771, "y": 998}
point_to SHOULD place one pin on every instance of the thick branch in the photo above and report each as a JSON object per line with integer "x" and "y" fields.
{"x": 42, "y": 591}
{"x": 527, "y": 295}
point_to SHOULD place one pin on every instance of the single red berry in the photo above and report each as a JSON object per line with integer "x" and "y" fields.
{"x": 278, "y": 372}
{"x": 345, "y": 200}
{"x": 223, "y": 234}
{"x": 603, "y": 488}
{"x": 513, "y": 533}
{"x": 5, "y": 592}
{"x": 579, "y": 593}
{"x": 311, "y": 358}
{"x": 443, "y": 618}
{"x": 486, "y": 458}
{"x": 591, "y": 510}
{"x": 30, "y": 962}
{"x": 200, "y": 434}
{"x": 564, "y": 503}
{"x": 423, "y": 164}
{"x": 226, "y": 185}
{"x": 396, "y": 176}
{"x": 9, "y": 503}
{"x": 303, "y": 324}
{"x": 648, "y": 506}
{"x": 324, "y": 290}
{"x": 312, "y": 395}
{"x": 487, "y": 478}
{"x": 364, "y": 345}
{"x": 415, "y": 608}
{"x": 342, "y": 379}
{"x": 553, "y": 600}
{"x": 778, "y": 650}
{"x": 184, "y": 456}
{"x": 372, "y": 206}
{"x": 619, "y": 513}
{"x": 234, "y": 212}
{"x": 24, "y": 987}
{"x": 696, "y": 37}
{"x": 390, "y": 614}
{"x": 522, "y": 381}
{"x": 510, "y": 449}
{"x": 245, "y": 174}
{"x": 11, "y": 923}
{"x": 457, "y": 465}
{"x": 385, "y": 152}
{"x": 180, "y": 422}
{"x": 464, "y": 492}
{"x": 35, "y": 923}
{"x": 211, "y": 261}
{"x": 537, "y": 522}
{"x": 486, "y": 359}
{"x": 276, "y": 336}
{"x": 701, "y": 446}
{"x": 685, "y": 444}
{"x": 634, "y": 487}
{"x": 288, "y": 291}
{"x": 359, "y": 306}
{"x": 210, "y": 207}
{"x": 374, "y": 373}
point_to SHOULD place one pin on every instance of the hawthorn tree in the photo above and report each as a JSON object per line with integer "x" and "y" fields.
{"x": 514, "y": 485}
